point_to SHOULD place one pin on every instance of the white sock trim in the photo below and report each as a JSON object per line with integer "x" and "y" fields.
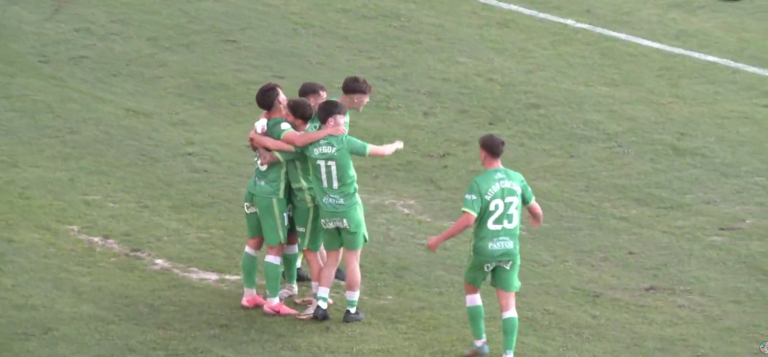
{"x": 291, "y": 249}
{"x": 474, "y": 300}
{"x": 272, "y": 259}
{"x": 510, "y": 313}
{"x": 323, "y": 292}
{"x": 352, "y": 296}
{"x": 251, "y": 251}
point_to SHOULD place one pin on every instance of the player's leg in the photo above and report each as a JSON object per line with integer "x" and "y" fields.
{"x": 290, "y": 258}
{"x": 274, "y": 222}
{"x": 473, "y": 279}
{"x": 333, "y": 243}
{"x": 505, "y": 279}
{"x": 250, "y": 261}
{"x": 355, "y": 237}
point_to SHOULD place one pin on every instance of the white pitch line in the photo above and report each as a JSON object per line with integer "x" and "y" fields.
{"x": 625, "y": 37}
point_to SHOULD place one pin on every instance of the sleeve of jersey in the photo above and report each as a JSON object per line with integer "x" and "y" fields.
{"x": 277, "y": 131}
{"x": 285, "y": 156}
{"x": 472, "y": 201}
{"x": 357, "y": 147}
{"x": 527, "y": 195}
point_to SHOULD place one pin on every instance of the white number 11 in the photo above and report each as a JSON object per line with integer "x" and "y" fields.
{"x": 332, "y": 164}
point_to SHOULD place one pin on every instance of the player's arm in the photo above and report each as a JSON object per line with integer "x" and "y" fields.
{"x": 464, "y": 222}
{"x": 529, "y": 201}
{"x": 280, "y": 156}
{"x": 472, "y": 205}
{"x": 537, "y": 215}
{"x": 266, "y": 142}
{"x": 303, "y": 139}
{"x": 267, "y": 157}
{"x": 360, "y": 148}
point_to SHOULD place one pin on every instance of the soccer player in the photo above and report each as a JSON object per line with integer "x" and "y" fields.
{"x": 266, "y": 210}
{"x": 492, "y": 205}
{"x": 341, "y": 211}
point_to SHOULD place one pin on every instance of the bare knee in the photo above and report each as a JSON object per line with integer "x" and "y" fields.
{"x": 471, "y": 289}
{"x": 292, "y": 239}
{"x": 275, "y": 250}
{"x": 255, "y": 243}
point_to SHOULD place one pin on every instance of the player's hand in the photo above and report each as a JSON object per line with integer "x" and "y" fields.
{"x": 260, "y": 126}
{"x": 336, "y": 130}
{"x": 251, "y": 140}
{"x": 398, "y": 145}
{"x": 433, "y": 243}
{"x": 533, "y": 221}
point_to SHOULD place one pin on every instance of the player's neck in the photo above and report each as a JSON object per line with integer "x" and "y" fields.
{"x": 490, "y": 165}
{"x": 346, "y": 100}
{"x": 277, "y": 113}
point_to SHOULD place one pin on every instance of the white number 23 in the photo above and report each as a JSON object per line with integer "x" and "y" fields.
{"x": 498, "y": 206}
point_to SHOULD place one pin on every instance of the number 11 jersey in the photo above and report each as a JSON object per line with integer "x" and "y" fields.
{"x": 496, "y": 198}
{"x": 333, "y": 175}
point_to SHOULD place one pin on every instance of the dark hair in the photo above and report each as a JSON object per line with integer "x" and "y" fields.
{"x": 311, "y": 88}
{"x": 300, "y": 109}
{"x": 266, "y": 96}
{"x": 328, "y": 109}
{"x": 355, "y": 85}
{"x": 492, "y": 145}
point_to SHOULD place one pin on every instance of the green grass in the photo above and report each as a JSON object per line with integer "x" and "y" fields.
{"x": 129, "y": 118}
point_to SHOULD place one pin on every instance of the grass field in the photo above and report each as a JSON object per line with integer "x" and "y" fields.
{"x": 128, "y": 119}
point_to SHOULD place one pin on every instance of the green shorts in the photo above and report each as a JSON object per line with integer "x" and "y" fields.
{"x": 266, "y": 217}
{"x": 504, "y": 274}
{"x": 307, "y": 223}
{"x": 344, "y": 229}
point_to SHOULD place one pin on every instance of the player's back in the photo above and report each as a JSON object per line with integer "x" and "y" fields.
{"x": 496, "y": 197}
{"x": 333, "y": 173}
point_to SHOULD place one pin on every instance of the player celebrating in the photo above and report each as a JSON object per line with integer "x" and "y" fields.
{"x": 492, "y": 205}
{"x": 341, "y": 211}
{"x": 266, "y": 210}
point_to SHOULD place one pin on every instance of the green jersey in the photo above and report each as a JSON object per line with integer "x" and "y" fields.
{"x": 299, "y": 178}
{"x": 333, "y": 174}
{"x": 495, "y": 198}
{"x": 270, "y": 181}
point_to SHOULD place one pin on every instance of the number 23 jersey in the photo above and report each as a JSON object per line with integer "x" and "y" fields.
{"x": 496, "y": 198}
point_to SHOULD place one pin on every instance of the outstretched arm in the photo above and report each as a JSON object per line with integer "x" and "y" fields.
{"x": 384, "y": 150}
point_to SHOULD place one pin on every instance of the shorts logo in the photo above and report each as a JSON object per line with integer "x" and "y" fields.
{"x": 504, "y": 264}
{"x": 250, "y": 209}
{"x": 301, "y": 229}
{"x": 502, "y": 243}
{"x": 764, "y": 348}
{"x": 334, "y": 223}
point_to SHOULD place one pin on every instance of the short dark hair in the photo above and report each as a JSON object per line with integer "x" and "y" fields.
{"x": 492, "y": 145}
{"x": 355, "y": 85}
{"x": 311, "y": 88}
{"x": 330, "y": 108}
{"x": 267, "y": 94}
{"x": 300, "y": 109}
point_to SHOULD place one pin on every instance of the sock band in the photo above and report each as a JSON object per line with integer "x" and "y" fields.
{"x": 273, "y": 259}
{"x": 510, "y": 313}
{"x": 291, "y": 249}
{"x": 474, "y": 300}
{"x": 251, "y": 251}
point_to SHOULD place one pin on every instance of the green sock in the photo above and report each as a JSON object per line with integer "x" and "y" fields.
{"x": 272, "y": 271}
{"x": 476, "y": 316}
{"x": 352, "y": 297}
{"x": 509, "y": 329}
{"x": 249, "y": 266}
{"x": 290, "y": 259}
